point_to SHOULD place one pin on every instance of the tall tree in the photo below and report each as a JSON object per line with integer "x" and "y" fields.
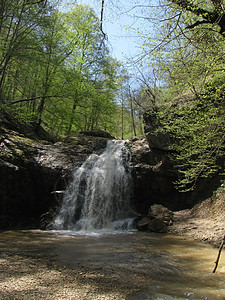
{"x": 17, "y": 20}
{"x": 190, "y": 62}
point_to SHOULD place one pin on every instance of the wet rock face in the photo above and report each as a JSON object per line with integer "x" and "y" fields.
{"x": 154, "y": 173}
{"x": 34, "y": 173}
{"x": 153, "y": 177}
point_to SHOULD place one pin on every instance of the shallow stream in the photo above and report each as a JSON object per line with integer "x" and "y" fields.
{"x": 156, "y": 266}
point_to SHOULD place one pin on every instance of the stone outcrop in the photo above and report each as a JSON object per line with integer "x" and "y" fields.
{"x": 153, "y": 177}
{"x": 34, "y": 173}
{"x": 154, "y": 173}
{"x": 35, "y": 169}
{"x": 157, "y": 219}
{"x": 161, "y": 172}
{"x": 156, "y": 135}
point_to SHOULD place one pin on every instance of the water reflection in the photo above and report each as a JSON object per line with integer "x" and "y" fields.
{"x": 159, "y": 266}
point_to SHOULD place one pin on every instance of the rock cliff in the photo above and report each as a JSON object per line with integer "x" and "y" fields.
{"x": 154, "y": 172}
{"x": 35, "y": 169}
{"x": 154, "y": 177}
{"x": 34, "y": 172}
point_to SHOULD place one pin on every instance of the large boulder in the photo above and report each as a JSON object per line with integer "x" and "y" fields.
{"x": 97, "y": 133}
{"x": 142, "y": 224}
{"x": 157, "y": 220}
{"x": 157, "y": 225}
{"x": 158, "y": 211}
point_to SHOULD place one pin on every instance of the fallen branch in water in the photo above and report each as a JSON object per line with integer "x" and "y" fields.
{"x": 218, "y": 257}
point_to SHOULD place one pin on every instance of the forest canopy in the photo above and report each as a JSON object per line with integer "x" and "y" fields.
{"x": 56, "y": 71}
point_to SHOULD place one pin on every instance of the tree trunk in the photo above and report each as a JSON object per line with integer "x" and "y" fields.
{"x": 132, "y": 113}
{"x": 122, "y": 119}
{"x": 72, "y": 117}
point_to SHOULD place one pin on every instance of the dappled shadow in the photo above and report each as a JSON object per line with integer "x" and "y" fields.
{"x": 109, "y": 265}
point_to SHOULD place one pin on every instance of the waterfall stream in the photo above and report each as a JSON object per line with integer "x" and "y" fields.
{"x": 100, "y": 192}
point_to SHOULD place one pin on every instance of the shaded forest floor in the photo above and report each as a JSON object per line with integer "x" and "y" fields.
{"x": 34, "y": 278}
{"x": 204, "y": 222}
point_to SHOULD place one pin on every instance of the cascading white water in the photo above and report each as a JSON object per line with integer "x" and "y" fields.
{"x": 99, "y": 195}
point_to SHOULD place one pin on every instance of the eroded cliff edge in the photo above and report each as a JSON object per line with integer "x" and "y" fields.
{"x": 35, "y": 169}
{"x": 198, "y": 213}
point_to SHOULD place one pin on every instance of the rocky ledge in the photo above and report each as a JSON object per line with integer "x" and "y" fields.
{"x": 35, "y": 169}
{"x": 34, "y": 172}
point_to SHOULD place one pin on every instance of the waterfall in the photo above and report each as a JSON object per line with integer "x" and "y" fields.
{"x": 100, "y": 192}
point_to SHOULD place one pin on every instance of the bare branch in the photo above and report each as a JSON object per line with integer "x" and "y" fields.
{"x": 217, "y": 16}
{"x": 36, "y": 2}
{"x": 33, "y": 99}
{"x": 101, "y": 20}
{"x": 197, "y": 23}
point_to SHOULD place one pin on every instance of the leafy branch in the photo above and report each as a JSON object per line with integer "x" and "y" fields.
{"x": 216, "y": 16}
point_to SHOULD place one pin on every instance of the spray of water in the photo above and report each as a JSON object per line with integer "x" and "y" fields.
{"x": 99, "y": 195}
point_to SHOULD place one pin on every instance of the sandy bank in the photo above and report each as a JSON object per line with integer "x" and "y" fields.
{"x": 204, "y": 222}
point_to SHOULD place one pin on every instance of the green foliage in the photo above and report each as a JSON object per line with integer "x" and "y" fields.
{"x": 188, "y": 57}
{"x": 56, "y": 70}
{"x": 197, "y": 129}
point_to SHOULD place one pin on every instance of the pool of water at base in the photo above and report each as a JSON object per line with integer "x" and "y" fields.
{"x": 158, "y": 266}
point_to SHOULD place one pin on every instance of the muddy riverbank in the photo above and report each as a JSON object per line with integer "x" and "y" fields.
{"x": 132, "y": 266}
{"x": 204, "y": 222}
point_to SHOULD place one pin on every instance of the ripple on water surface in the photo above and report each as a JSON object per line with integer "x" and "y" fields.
{"x": 158, "y": 266}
